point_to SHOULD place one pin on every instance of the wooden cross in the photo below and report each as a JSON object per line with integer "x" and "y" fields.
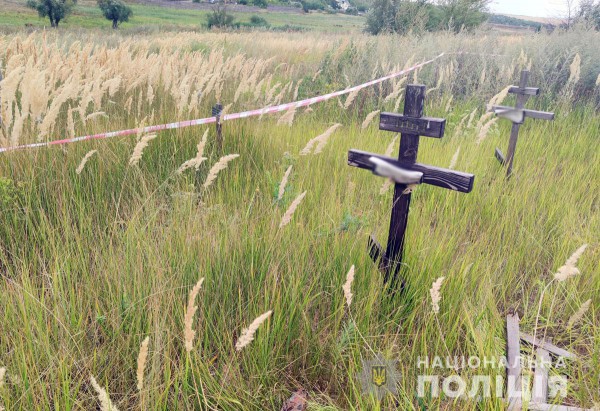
{"x": 517, "y": 115}
{"x": 405, "y": 171}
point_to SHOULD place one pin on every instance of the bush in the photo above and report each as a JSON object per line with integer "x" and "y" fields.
{"x": 260, "y": 3}
{"x": 55, "y": 10}
{"x": 115, "y": 11}
{"x": 312, "y": 5}
{"x": 243, "y": 2}
{"x": 334, "y": 4}
{"x": 257, "y": 21}
{"x": 220, "y": 18}
{"x": 289, "y": 28}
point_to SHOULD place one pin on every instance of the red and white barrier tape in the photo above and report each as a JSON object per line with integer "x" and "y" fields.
{"x": 226, "y": 117}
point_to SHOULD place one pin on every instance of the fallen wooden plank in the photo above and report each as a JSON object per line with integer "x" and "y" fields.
{"x": 547, "y": 346}
{"x": 554, "y": 407}
{"x": 513, "y": 354}
{"x": 540, "y": 378}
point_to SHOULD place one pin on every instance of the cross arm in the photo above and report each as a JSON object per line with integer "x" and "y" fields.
{"x": 422, "y": 126}
{"x": 435, "y": 176}
{"x": 540, "y": 115}
{"x": 529, "y": 91}
{"x": 399, "y": 175}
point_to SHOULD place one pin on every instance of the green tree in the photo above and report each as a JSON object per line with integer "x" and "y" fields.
{"x": 116, "y": 11}
{"x": 463, "y": 14}
{"x": 589, "y": 13}
{"x": 219, "y": 17}
{"x": 412, "y": 16}
{"x": 55, "y": 10}
{"x": 401, "y": 16}
{"x": 260, "y": 3}
{"x": 381, "y": 17}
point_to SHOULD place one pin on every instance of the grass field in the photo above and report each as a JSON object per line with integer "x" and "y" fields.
{"x": 14, "y": 14}
{"x": 92, "y": 263}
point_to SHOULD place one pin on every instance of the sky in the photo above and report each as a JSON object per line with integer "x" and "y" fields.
{"x": 534, "y": 8}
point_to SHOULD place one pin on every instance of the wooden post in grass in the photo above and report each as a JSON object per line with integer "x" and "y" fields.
{"x": 517, "y": 115}
{"x": 216, "y": 112}
{"x": 513, "y": 357}
{"x": 405, "y": 172}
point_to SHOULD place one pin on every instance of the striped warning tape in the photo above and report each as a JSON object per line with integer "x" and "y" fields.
{"x": 226, "y": 117}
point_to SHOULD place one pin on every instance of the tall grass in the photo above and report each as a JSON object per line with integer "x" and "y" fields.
{"x": 93, "y": 263}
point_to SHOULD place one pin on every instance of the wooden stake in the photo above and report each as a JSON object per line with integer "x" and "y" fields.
{"x": 216, "y": 112}
{"x": 513, "y": 354}
{"x": 540, "y": 378}
{"x": 547, "y": 346}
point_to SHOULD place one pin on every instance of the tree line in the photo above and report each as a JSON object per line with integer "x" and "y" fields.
{"x": 417, "y": 16}
{"x": 56, "y": 10}
{"x": 404, "y": 16}
{"x": 385, "y": 16}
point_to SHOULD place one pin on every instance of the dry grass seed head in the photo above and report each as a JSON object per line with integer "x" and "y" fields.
{"x": 141, "y": 363}
{"x": 247, "y": 335}
{"x": 435, "y": 294}
{"x": 283, "y": 183}
{"x": 347, "y": 287}
{"x": 287, "y": 217}
{"x": 189, "y": 332}
{"x": 219, "y": 166}
{"x": 105, "y": 402}
{"x": 84, "y": 161}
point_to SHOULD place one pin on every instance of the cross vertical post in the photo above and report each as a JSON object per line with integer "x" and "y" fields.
{"x": 517, "y": 115}
{"x": 514, "y": 132}
{"x": 409, "y": 148}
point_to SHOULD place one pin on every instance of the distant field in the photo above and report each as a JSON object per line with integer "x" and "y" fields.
{"x": 544, "y": 20}
{"x": 14, "y": 14}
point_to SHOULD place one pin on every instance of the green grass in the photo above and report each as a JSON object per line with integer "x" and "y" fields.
{"x": 88, "y": 16}
{"x": 91, "y": 264}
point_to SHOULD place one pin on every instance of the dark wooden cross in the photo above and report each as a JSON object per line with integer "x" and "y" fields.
{"x": 517, "y": 115}
{"x": 405, "y": 171}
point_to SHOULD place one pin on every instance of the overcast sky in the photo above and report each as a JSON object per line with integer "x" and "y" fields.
{"x": 536, "y": 8}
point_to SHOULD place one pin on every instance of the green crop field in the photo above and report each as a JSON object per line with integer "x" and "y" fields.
{"x": 103, "y": 243}
{"x": 14, "y": 14}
